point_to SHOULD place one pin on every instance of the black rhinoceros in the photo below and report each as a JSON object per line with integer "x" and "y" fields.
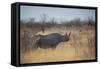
{"x": 50, "y": 40}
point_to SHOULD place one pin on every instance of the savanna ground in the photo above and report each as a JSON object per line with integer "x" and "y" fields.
{"x": 81, "y": 45}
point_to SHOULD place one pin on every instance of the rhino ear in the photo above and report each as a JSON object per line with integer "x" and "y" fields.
{"x": 69, "y": 34}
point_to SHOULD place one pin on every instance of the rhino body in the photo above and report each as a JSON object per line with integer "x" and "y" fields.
{"x": 50, "y": 40}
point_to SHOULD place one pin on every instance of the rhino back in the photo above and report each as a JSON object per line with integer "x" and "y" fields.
{"x": 51, "y": 39}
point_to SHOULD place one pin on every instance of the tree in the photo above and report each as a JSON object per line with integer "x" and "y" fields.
{"x": 53, "y": 21}
{"x": 30, "y": 22}
{"x": 43, "y": 19}
{"x": 90, "y": 21}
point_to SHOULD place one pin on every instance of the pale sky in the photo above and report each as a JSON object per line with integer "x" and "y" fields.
{"x": 60, "y": 14}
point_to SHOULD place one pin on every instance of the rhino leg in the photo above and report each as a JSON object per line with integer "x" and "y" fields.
{"x": 53, "y": 46}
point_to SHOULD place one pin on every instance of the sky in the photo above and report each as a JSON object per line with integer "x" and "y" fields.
{"x": 59, "y": 14}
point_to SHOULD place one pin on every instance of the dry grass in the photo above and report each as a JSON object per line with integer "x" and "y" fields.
{"x": 81, "y": 46}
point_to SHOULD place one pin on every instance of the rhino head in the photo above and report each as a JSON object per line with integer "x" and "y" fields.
{"x": 66, "y": 37}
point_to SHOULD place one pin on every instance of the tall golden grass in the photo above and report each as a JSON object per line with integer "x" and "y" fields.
{"x": 81, "y": 46}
